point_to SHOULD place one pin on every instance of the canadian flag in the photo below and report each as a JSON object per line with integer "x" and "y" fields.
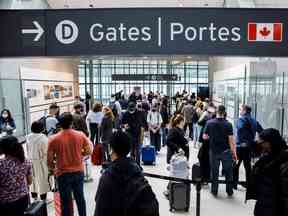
{"x": 269, "y": 32}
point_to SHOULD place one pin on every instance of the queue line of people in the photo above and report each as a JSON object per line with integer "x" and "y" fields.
{"x": 63, "y": 154}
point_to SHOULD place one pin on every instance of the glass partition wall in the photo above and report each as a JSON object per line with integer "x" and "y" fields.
{"x": 95, "y": 77}
{"x": 264, "y": 88}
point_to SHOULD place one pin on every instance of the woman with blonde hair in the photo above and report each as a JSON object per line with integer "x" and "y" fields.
{"x": 106, "y": 131}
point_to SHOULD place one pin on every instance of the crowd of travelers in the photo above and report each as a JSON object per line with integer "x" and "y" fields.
{"x": 59, "y": 144}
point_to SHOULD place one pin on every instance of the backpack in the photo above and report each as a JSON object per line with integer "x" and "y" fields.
{"x": 43, "y": 121}
{"x": 140, "y": 200}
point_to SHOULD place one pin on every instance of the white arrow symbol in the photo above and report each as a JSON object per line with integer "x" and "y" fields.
{"x": 39, "y": 31}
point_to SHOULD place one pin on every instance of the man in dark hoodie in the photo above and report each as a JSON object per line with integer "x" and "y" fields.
{"x": 123, "y": 190}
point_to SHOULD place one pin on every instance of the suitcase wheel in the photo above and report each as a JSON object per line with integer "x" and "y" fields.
{"x": 187, "y": 209}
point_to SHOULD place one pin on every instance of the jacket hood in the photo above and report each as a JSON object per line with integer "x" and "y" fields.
{"x": 122, "y": 170}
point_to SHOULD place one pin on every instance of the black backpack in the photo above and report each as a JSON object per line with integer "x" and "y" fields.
{"x": 140, "y": 200}
{"x": 43, "y": 121}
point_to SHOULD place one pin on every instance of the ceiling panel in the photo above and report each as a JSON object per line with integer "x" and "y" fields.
{"x": 133, "y": 3}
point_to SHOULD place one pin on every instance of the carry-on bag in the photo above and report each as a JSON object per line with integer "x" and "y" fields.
{"x": 148, "y": 154}
{"x": 196, "y": 172}
{"x": 38, "y": 208}
{"x": 96, "y": 157}
{"x": 179, "y": 196}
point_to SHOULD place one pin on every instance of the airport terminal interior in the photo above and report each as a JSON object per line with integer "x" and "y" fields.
{"x": 30, "y": 84}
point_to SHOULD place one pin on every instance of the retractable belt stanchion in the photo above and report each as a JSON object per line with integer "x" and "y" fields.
{"x": 197, "y": 183}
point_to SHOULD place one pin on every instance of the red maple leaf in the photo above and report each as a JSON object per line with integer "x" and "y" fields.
{"x": 264, "y": 32}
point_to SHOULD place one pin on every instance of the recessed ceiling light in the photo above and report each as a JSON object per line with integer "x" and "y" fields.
{"x": 189, "y": 57}
{"x": 181, "y": 5}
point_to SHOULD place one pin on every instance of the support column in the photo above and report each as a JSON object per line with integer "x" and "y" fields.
{"x": 91, "y": 85}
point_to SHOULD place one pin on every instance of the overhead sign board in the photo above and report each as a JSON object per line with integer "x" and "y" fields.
{"x": 144, "y": 77}
{"x": 144, "y": 31}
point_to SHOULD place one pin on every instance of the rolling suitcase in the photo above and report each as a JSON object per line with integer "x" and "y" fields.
{"x": 96, "y": 157}
{"x": 179, "y": 196}
{"x": 148, "y": 155}
{"x": 38, "y": 208}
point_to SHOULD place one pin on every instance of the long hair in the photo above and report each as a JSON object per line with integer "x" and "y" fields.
{"x": 9, "y": 118}
{"x": 176, "y": 120}
{"x": 108, "y": 112}
{"x": 11, "y": 147}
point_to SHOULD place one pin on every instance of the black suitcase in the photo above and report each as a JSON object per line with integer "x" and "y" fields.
{"x": 196, "y": 172}
{"x": 38, "y": 208}
{"x": 179, "y": 196}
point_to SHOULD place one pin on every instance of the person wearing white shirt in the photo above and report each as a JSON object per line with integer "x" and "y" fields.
{"x": 154, "y": 121}
{"x": 93, "y": 121}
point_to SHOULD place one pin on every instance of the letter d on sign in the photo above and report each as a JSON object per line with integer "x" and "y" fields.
{"x": 66, "y": 32}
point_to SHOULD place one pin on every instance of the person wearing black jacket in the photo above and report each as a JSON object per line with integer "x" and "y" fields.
{"x": 123, "y": 190}
{"x": 165, "y": 121}
{"x": 176, "y": 138}
{"x": 133, "y": 121}
{"x": 79, "y": 122}
{"x": 268, "y": 181}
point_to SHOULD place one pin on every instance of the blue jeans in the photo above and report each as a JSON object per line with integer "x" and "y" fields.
{"x": 226, "y": 159}
{"x": 68, "y": 183}
{"x": 196, "y": 132}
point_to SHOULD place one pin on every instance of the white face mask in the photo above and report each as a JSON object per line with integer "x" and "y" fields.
{"x": 5, "y": 116}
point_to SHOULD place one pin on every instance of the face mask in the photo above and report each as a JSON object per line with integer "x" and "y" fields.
{"x": 4, "y": 116}
{"x": 153, "y": 110}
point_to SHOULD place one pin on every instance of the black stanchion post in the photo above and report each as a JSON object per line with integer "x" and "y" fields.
{"x": 198, "y": 198}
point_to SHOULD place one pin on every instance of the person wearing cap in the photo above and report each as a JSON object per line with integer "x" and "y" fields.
{"x": 268, "y": 181}
{"x": 79, "y": 122}
{"x": 134, "y": 121}
{"x": 219, "y": 132}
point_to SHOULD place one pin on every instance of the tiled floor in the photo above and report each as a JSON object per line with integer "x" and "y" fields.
{"x": 210, "y": 206}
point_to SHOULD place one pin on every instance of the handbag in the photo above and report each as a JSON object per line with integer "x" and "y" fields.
{"x": 96, "y": 157}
